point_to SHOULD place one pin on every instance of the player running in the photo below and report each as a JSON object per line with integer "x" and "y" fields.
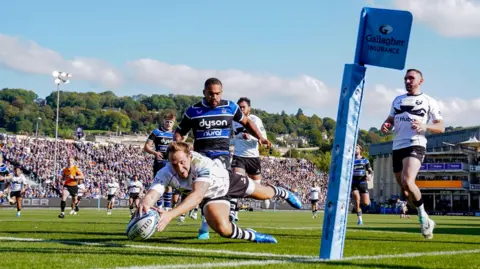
{"x": 70, "y": 175}
{"x": 81, "y": 191}
{"x": 362, "y": 173}
{"x": 211, "y": 122}
{"x": 17, "y": 185}
{"x": 314, "y": 197}
{"x": 156, "y": 145}
{"x": 135, "y": 187}
{"x": 112, "y": 191}
{"x": 402, "y": 206}
{"x": 246, "y": 156}
{"x": 409, "y": 117}
{"x": 212, "y": 185}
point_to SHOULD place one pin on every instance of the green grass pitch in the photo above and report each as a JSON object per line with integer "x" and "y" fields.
{"x": 39, "y": 239}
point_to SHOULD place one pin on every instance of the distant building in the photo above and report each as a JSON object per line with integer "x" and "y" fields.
{"x": 449, "y": 177}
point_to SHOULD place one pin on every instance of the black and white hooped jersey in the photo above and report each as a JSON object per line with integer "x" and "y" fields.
{"x": 135, "y": 186}
{"x": 247, "y": 147}
{"x": 211, "y": 126}
{"x": 17, "y": 182}
{"x": 161, "y": 139}
{"x": 314, "y": 193}
{"x": 203, "y": 169}
{"x": 407, "y": 108}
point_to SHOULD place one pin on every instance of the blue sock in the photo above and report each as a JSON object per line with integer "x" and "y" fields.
{"x": 167, "y": 199}
{"x": 159, "y": 203}
{"x": 204, "y": 227}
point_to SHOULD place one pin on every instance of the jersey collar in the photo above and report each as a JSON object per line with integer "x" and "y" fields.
{"x": 411, "y": 94}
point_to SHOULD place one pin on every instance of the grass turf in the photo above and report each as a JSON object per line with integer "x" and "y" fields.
{"x": 38, "y": 239}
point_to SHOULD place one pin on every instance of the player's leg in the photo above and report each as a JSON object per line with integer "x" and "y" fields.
{"x": 253, "y": 169}
{"x": 217, "y": 215}
{"x": 411, "y": 166}
{"x": 74, "y": 195}
{"x": 364, "y": 195}
{"x": 130, "y": 205}
{"x": 19, "y": 203}
{"x": 63, "y": 203}
{"x": 180, "y": 199}
{"x": 242, "y": 186}
{"x": 79, "y": 199}
{"x": 238, "y": 166}
{"x": 72, "y": 205}
{"x": 167, "y": 198}
{"x": 111, "y": 204}
{"x": 356, "y": 200}
{"x": 314, "y": 208}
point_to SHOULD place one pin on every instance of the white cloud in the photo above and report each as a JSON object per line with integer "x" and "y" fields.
{"x": 451, "y": 18}
{"x": 29, "y": 57}
{"x": 271, "y": 91}
{"x": 267, "y": 91}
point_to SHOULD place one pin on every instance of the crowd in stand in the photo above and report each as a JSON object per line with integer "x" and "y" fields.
{"x": 100, "y": 162}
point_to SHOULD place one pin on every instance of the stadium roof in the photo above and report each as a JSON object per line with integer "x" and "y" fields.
{"x": 434, "y": 140}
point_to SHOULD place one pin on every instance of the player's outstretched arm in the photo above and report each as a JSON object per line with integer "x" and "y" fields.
{"x": 148, "y": 201}
{"x": 191, "y": 201}
{"x": 252, "y": 129}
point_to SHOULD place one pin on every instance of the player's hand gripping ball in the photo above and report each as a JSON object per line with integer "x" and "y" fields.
{"x": 142, "y": 228}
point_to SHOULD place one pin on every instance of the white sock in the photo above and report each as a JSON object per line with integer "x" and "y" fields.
{"x": 267, "y": 204}
{"x": 422, "y": 214}
{"x": 204, "y": 227}
{"x": 360, "y": 218}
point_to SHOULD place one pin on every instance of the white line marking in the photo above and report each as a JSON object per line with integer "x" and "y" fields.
{"x": 305, "y": 261}
{"x": 205, "y": 265}
{"x": 175, "y": 249}
{"x": 285, "y": 258}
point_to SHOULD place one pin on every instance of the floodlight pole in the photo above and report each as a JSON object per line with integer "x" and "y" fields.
{"x": 60, "y": 77}
{"x": 56, "y": 134}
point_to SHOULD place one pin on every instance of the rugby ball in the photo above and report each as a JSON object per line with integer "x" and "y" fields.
{"x": 141, "y": 228}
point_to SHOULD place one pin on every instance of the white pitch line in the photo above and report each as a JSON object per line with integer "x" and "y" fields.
{"x": 304, "y": 261}
{"x": 174, "y": 249}
{"x": 206, "y": 265}
{"x": 293, "y": 258}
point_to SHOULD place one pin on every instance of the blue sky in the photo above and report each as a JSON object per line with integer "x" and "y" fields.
{"x": 268, "y": 50}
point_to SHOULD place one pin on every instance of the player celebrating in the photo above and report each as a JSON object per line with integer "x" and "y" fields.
{"x": 112, "y": 187}
{"x": 71, "y": 175}
{"x": 246, "y": 156}
{"x": 362, "y": 173}
{"x": 314, "y": 197}
{"x": 409, "y": 116}
{"x": 135, "y": 187}
{"x": 212, "y": 185}
{"x": 157, "y": 144}
{"x": 211, "y": 121}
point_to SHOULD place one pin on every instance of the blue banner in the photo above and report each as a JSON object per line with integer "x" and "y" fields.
{"x": 441, "y": 166}
{"x": 341, "y": 168}
{"x": 383, "y": 37}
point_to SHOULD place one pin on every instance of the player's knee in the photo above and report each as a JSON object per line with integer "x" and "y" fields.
{"x": 224, "y": 229}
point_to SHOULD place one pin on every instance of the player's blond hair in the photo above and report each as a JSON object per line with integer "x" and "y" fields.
{"x": 178, "y": 146}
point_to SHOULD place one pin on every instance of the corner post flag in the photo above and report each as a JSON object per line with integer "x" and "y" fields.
{"x": 382, "y": 41}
